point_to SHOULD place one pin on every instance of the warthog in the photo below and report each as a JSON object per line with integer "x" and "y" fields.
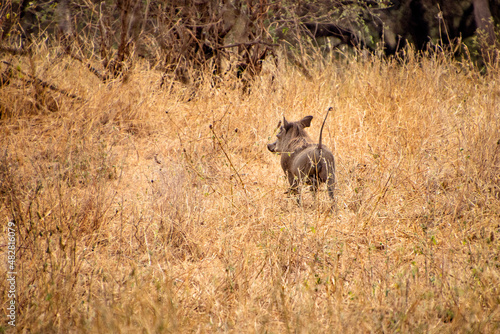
{"x": 301, "y": 159}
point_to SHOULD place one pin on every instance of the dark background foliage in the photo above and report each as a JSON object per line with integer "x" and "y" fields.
{"x": 185, "y": 38}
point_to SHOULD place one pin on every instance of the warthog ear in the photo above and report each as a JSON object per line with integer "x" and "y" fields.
{"x": 285, "y": 123}
{"x": 306, "y": 121}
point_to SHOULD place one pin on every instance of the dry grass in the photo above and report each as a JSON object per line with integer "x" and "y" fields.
{"x": 133, "y": 219}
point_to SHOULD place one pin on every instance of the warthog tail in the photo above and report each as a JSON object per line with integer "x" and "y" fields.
{"x": 321, "y": 131}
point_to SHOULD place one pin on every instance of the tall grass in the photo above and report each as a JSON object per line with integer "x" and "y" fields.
{"x": 144, "y": 209}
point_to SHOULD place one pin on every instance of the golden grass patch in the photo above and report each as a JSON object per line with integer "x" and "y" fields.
{"x": 160, "y": 210}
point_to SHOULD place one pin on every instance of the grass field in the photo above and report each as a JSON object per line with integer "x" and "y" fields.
{"x": 140, "y": 209}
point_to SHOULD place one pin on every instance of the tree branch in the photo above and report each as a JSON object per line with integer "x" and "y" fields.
{"x": 44, "y": 83}
{"x": 246, "y": 44}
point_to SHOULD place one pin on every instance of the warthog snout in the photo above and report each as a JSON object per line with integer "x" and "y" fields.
{"x": 301, "y": 159}
{"x": 272, "y": 147}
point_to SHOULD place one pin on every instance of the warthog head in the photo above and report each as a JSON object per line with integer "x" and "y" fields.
{"x": 291, "y": 135}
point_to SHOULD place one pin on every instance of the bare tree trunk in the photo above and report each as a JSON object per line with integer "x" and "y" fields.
{"x": 484, "y": 22}
{"x": 64, "y": 18}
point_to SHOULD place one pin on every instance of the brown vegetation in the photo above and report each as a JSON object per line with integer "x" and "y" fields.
{"x": 137, "y": 210}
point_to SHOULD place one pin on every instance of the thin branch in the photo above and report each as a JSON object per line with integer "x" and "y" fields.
{"x": 246, "y": 44}
{"x": 44, "y": 83}
{"x": 14, "y": 51}
{"x": 227, "y": 157}
{"x": 95, "y": 71}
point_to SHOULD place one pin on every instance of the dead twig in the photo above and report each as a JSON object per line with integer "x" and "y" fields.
{"x": 92, "y": 69}
{"x": 13, "y": 51}
{"x": 43, "y": 83}
{"x": 246, "y": 44}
